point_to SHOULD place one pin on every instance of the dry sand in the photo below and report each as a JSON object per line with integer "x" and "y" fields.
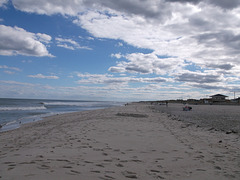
{"x": 132, "y": 142}
{"x": 218, "y": 117}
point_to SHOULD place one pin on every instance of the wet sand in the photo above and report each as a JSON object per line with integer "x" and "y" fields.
{"x": 132, "y": 142}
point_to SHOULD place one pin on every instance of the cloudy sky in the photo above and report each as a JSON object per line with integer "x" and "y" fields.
{"x": 119, "y": 49}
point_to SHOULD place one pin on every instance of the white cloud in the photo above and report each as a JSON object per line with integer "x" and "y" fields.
{"x": 17, "y": 41}
{"x": 44, "y": 38}
{"x": 90, "y": 38}
{"x": 9, "y": 68}
{"x": 182, "y": 35}
{"x": 41, "y": 76}
{"x": 135, "y": 31}
{"x": 70, "y": 44}
{"x": 70, "y": 7}
{"x": 200, "y": 78}
{"x": 148, "y": 64}
{"x": 188, "y": 29}
{"x": 16, "y": 83}
{"x": 110, "y": 79}
{"x": 119, "y": 44}
{"x": 9, "y": 72}
{"x": 202, "y": 32}
{"x": 26, "y": 61}
{"x": 3, "y": 3}
{"x": 148, "y": 8}
{"x": 118, "y": 55}
{"x": 153, "y": 9}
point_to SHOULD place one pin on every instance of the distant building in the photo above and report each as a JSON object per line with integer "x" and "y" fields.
{"x": 206, "y": 101}
{"x": 218, "y": 98}
{"x": 237, "y": 100}
{"x": 193, "y": 101}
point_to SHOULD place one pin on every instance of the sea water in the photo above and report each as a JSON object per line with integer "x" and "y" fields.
{"x": 15, "y": 112}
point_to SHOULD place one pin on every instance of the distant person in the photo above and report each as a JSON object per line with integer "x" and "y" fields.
{"x": 166, "y": 104}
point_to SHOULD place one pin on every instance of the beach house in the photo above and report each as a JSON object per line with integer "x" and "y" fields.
{"x": 218, "y": 98}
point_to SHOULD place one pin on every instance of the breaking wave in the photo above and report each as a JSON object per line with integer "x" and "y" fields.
{"x": 21, "y": 108}
{"x": 81, "y": 104}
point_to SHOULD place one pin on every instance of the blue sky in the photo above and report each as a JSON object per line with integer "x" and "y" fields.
{"x": 121, "y": 50}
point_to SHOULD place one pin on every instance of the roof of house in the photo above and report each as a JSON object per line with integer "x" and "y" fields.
{"x": 218, "y": 95}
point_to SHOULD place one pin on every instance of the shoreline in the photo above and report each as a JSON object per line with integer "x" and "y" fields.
{"x": 128, "y": 142}
{"x": 18, "y": 123}
{"x": 15, "y": 112}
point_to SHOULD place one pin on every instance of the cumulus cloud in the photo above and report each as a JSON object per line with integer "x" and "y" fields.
{"x": 44, "y": 38}
{"x": 118, "y": 55}
{"x": 70, "y": 7}
{"x": 3, "y": 3}
{"x": 100, "y": 79}
{"x": 148, "y": 64}
{"x": 203, "y": 32}
{"x": 225, "y": 4}
{"x": 135, "y": 31}
{"x": 153, "y": 9}
{"x": 176, "y": 28}
{"x": 184, "y": 1}
{"x": 149, "y": 9}
{"x": 200, "y": 78}
{"x": 108, "y": 92}
{"x": 110, "y": 79}
{"x": 225, "y": 66}
{"x": 17, "y": 41}
{"x": 41, "y": 76}
{"x": 69, "y": 44}
{"x": 192, "y": 33}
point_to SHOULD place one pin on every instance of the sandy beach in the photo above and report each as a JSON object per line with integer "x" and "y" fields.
{"x": 137, "y": 141}
{"x": 218, "y": 117}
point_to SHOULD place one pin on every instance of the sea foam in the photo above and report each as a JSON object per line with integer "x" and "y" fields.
{"x": 21, "y": 108}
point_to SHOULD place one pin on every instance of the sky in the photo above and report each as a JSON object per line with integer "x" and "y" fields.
{"x": 119, "y": 50}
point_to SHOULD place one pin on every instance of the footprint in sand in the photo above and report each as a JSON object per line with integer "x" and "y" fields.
{"x": 136, "y": 160}
{"x": 155, "y": 173}
{"x": 76, "y": 172}
{"x": 100, "y": 165}
{"x": 119, "y": 165}
{"x": 67, "y": 167}
{"x": 217, "y": 167}
{"x": 199, "y": 157}
{"x": 31, "y": 162}
{"x": 88, "y": 162}
{"x": 201, "y": 170}
{"x": 11, "y": 167}
{"x": 105, "y": 154}
{"x": 95, "y": 171}
{"x": 44, "y": 167}
{"x": 129, "y": 174}
{"x": 124, "y": 161}
{"x": 109, "y": 177}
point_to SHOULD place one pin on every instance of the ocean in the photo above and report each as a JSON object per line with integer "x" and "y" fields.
{"x": 15, "y": 112}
